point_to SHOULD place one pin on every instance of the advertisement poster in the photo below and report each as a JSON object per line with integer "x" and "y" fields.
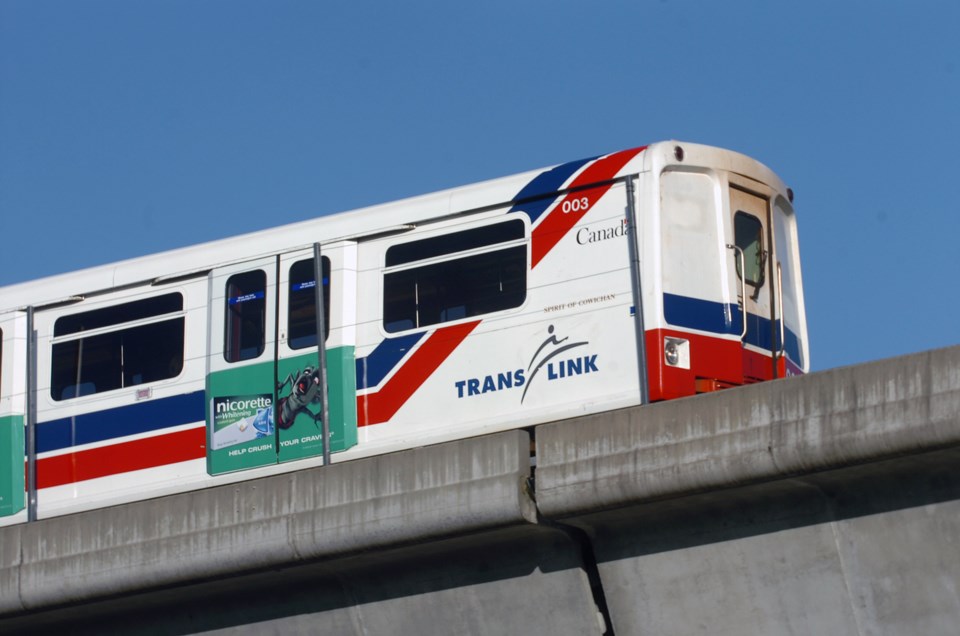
{"x": 249, "y": 428}
{"x": 300, "y": 410}
{"x": 300, "y": 407}
{"x": 243, "y": 432}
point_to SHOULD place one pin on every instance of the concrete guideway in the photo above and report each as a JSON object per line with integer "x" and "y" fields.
{"x": 764, "y": 432}
{"x": 827, "y": 503}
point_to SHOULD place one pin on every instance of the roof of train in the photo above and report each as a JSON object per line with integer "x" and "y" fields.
{"x": 355, "y": 224}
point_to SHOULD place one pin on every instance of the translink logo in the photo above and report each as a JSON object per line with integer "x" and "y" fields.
{"x": 545, "y": 360}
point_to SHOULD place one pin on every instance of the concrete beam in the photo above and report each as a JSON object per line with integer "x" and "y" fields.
{"x": 759, "y": 433}
{"x": 458, "y": 488}
{"x": 828, "y": 504}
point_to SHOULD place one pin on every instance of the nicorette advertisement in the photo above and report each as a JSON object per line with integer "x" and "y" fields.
{"x": 300, "y": 409}
{"x": 299, "y": 415}
{"x": 244, "y": 434}
{"x": 249, "y": 427}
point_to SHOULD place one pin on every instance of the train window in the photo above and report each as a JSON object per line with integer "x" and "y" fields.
{"x": 128, "y": 312}
{"x": 459, "y": 242}
{"x": 246, "y": 316}
{"x": 302, "y": 314}
{"x": 456, "y": 282}
{"x": 130, "y": 344}
{"x": 748, "y": 233}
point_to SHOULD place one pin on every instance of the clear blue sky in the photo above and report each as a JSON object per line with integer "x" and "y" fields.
{"x": 129, "y": 127}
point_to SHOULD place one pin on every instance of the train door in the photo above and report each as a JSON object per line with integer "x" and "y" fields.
{"x": 241, "y": 350}
{"x": 12, "y": 408}
{"x": 299, "y": 407}
{"x": 263, "y": 383}
{"x": 752, "y": 251}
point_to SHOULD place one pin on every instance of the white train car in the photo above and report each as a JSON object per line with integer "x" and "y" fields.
{"x": 642, "y": 275}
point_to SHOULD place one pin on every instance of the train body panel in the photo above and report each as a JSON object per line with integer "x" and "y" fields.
{"x": 13, "y": 350}
{"x": 119, "y": 390}
{"x": 651, "y": 273}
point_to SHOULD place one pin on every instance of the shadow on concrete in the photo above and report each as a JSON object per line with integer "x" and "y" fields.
{"x": 829, "y": 496}
{"x": 473, "y": 585}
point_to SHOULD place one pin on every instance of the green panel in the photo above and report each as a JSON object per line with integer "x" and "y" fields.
{"x": 245, "y": 431}
{"x": 240, "y": 419}
{"x": 12, "y": 488}
{"x": 299, "y": 420}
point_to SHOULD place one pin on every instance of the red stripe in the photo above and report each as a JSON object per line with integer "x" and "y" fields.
{"x": 374, "y": 408}
{"x": 562, "y": 218}
{"x": 711, "y": 358}
{"x": 125, "y": 457}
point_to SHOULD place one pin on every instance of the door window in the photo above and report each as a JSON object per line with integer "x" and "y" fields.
{"x": 748, "y": 231}
{"x": 246, "y": 316}
{"x": 302, "y": 314}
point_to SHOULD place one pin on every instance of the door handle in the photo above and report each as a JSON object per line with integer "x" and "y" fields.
{"x": 743, "y": 290}
{"x": 783, "y": 344}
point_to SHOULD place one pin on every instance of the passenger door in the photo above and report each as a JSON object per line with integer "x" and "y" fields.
{"x": 264, "y": 395}
{"x": 241, "y": 350}
{"x": 753, "y": 257}
{"x": 299, "y": 407}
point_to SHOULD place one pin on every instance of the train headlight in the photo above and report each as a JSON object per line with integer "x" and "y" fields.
{"x": 676, "y": 352}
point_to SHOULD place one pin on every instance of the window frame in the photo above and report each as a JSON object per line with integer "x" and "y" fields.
{"x": 326, "y": 273}
{"x": 230, "y": 317}
{"x": 118, "y": 329}
{"x": 516, "y": 245}
{"x": 761, "y": 263}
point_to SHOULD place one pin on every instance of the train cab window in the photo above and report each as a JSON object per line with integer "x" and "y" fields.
{"x": 302, "y": 314}
{"x": 118, "y": 346}
{"x": 748, "y": 233}
{"x": 246, "y": 316}
{"x": 454, "y": 276}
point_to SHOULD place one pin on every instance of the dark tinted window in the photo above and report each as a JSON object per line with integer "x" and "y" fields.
{"x": 452, "y": 243}
{"x": 748, "y": 232}
{"x": 123, "y": 357}
{"x": 246, "y": 316}
{"x": 119, "y": 314}
{"x": 460, "y": 286}
{"x": 302, "y": 315}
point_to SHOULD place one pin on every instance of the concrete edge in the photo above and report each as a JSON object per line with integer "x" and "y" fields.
{"x": 323, "y": 513}
{"x": 763, "y": 432}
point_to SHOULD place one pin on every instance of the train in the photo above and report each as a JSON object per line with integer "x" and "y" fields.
{"x": 647, "y": 274}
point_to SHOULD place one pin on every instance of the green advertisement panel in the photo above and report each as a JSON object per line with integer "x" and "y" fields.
{"x": 250, "y": 425}
{"x": 12, "y": 487}
{"x": 299, "y": 408}
{"x": 240, "y": 419}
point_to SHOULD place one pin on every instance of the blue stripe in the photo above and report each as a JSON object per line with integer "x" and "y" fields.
{"x": 374, "y": 368}
{"x": 706, "y": 315}
{"x": 793, "y": 347}
{"x": 544, "y": 184}
{"x": 100, "y": 426}
{"x": 703, "y": 315}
